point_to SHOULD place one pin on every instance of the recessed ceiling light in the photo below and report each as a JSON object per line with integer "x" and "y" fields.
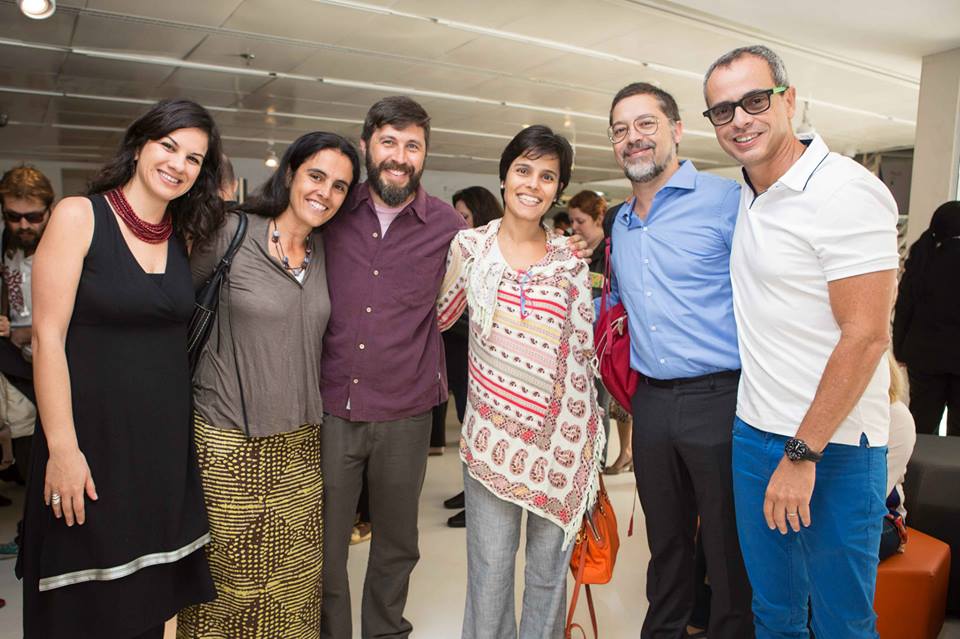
{"x": 37, "y": 9}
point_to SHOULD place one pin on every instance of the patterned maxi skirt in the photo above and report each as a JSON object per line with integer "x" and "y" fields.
{"x": 264, "y": 497}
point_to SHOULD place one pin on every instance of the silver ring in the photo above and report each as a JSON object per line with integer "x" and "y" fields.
{"x": 54, "y": 499}
{"x": 792, "y": 514}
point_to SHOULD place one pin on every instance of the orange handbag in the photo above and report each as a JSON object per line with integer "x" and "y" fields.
{"x": 594, "y": 555}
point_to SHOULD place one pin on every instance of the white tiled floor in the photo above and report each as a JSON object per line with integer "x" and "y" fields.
{"x": 435, "y": 604}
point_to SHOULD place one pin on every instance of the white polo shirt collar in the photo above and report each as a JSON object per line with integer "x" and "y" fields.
{"x": 798, "y": 175}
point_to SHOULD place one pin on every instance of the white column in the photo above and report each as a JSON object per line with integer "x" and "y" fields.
{"x": 936, "y": 158}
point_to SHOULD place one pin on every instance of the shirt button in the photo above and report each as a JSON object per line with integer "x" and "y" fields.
{"x": 644, "y": 229}
{"x": 356, "y": 381}
{"x": 375, "y": 234}
{"x": 652, "y": 327}
{"x": 663, "y": 361}
{"x": 369, "y": 310}
{"x": 361, "y": 346}
{"x": 646, "y": 261}
{"x": 649, "y": 293}
{"x": 376, "y": 272}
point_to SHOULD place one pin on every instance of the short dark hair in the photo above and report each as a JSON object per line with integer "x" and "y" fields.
{"x": 272, "y": 199}
{"x": 482, "y": 203}
{"x": 534, "y": 142}
{"x": 26, "y": 182}
{"x": 196, "y": 214}
{"x": 397, "y": 111}
{"x": 777, "y": 69}
{"x": 667, "y": 104}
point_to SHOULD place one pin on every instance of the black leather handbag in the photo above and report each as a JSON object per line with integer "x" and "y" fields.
{"x": 208, "y": 297}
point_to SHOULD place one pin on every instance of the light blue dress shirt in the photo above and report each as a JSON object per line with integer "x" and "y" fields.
{"x": 672, "y": 272}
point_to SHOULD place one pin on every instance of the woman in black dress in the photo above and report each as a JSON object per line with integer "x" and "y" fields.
{"x": 114, "y": 515}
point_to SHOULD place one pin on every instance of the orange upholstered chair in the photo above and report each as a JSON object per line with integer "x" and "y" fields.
{"x": 911, "y": 594}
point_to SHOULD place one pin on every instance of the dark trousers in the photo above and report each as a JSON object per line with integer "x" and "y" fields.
{"x": 395, "y": 456}
{"x": 455, "y": 351}
{"x": 682, "y": 441}
{"x": 930, "y": 393}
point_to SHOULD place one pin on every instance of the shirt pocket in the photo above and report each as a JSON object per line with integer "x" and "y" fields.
{"x": 413, "y": 282}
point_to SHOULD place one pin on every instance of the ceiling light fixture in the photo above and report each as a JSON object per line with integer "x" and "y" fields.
{"x": 271, "y": 161}
{"x": 37, "y": 9}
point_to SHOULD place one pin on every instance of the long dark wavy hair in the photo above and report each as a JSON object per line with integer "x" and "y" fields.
{"x": 197, "y": 213}
{"x": 272, "y": 199}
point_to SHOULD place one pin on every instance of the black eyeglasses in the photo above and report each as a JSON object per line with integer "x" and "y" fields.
{"x": 753, "y": 103}
{"x": 36, "y": 217}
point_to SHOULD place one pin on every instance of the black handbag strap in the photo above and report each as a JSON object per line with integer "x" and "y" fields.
{"x": 224, "y": 265}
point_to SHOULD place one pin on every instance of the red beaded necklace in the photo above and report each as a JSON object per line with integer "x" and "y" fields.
{"x": 151, "y": 233}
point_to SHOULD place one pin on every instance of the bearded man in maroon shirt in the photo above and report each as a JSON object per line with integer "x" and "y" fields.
{"x": 382, "y": 364}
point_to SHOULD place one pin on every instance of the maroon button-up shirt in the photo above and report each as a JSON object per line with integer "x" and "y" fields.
{"x": 382, "y": 352}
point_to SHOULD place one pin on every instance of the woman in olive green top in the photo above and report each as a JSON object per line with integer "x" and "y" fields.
{"x": 257, "y": 402}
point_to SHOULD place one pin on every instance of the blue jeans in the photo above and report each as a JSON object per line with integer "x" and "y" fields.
{"x": 830, "y": 566}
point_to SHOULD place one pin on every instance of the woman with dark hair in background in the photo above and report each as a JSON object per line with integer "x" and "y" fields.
{"x": 926, "y": 325}
{"x": 257, "y": 405}
{"x": 532, "y": 437}
{"x": 114, "y": 516}
{"x": 479, "y": 207}
{"x": 588, "y": 211}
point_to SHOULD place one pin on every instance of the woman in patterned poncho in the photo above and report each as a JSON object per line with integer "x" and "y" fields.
{"x": 531, "y": 438}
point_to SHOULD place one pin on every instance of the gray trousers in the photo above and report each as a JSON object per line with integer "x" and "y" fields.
{"x": 493, "y": 538}
{"x": 395, "y": 456}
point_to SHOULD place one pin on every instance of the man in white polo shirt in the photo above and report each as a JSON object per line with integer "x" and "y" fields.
{"x": 813, "y": 268}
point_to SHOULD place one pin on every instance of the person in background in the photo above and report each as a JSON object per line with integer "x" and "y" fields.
{"x": 903, "y": 437}
{"x": 588, "y": 210}
{"x": 230, "y": 184}
{"x": 532, "y": 437}
{"x": 114, "y": 522}
{"x": 478, "y": 206}
{"x": 257, "y": 410}
{"x": 926, "y": 324}
{"x": 562, "y": 224}
{"x": 27, "y": 197}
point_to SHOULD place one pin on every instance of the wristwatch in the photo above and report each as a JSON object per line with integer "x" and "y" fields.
{"x": 797, "y": 450}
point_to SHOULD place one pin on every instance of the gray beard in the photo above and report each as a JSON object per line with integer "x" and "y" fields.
{"x": 641, "y": 174}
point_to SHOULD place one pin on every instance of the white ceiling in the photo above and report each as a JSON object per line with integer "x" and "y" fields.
{"x": 274, "y": 69}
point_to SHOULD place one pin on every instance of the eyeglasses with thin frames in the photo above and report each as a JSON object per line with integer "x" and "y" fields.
{"x": 754, "y": 103}
{"x": 35, "y": 217}
{"x": 644, "y": 125}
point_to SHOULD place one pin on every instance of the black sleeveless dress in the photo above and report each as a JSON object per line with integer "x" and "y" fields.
{"x": 137, "y": 560}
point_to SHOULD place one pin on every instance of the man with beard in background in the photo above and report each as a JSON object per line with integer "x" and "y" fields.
{"x": 670, "y": 267}
{"x": 26, "y": 196}
{"x": 382, "y": 364}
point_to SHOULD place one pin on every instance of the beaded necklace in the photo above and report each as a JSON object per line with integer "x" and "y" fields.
{"x": 284, "y": 260}
{"x": 150, "y": 233}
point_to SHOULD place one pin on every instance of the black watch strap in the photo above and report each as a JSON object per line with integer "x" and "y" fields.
{"x": 797, "y": 450}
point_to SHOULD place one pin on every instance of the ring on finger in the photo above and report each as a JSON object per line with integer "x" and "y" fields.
{"x": 793, "y": 514}
{"x": 55, "y": 499}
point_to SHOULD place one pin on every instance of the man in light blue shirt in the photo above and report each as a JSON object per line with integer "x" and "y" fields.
{"x": 671, "y": 268}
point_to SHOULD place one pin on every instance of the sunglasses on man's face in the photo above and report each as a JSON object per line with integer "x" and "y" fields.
{"x": 34, "y": 217}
